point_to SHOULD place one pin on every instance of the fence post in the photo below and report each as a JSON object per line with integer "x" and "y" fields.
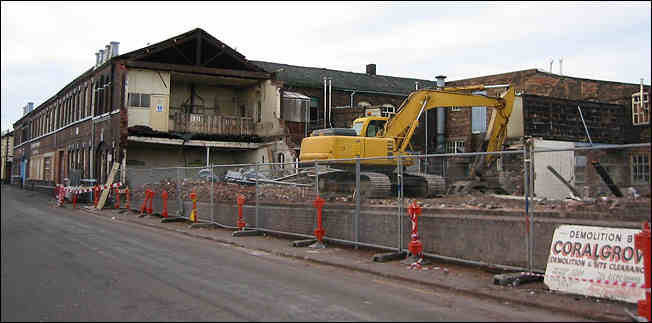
{"x": 143, "y": 208}
{"x": 256, "y": 191}
{"x": 128, "y": 197}
{"x": 74, "y": 198}
{"x": 151, "y": 198}
{"x": 356, "y": 221}
{"x": 164, "y": 196}
{"x": 319, "y": 232}
{"x": 415, "y": 247}
{"x": 96, "y": 194}
{"x": 211, "y": 192}
{"x": 526, "y": 187}
{"x": 400, "y": 204}
{"x": 116, "y": 191}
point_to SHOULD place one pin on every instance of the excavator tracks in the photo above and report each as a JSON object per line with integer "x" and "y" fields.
{"x": 424, "y": 185}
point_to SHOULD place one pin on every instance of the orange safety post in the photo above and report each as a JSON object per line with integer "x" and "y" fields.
{"x": 144, "y": 207}
{"x": 319, "y": 232}
{"x": 116, "y": 191}
{"x": 96, "y": 194}
{"x": 642, "y": 241}
{"x": 128, "y": 195}
{"x": 151, "y": 198}
{"x": 241, "y": 222}
{"x": 193, "y": 214}
{"x": 164, "y": 196}
{"x": 415, "y": 247}
{"x": 74, "y": 199}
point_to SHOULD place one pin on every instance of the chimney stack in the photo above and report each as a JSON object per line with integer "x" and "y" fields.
{"x": 371, "y": 69}
{"x": 440, "y": 81}
{"x": 97, "y": 58}
{"x": 114, "y": 48}
{"x": 101, "y": 60}
{"x": 107, "y": 53}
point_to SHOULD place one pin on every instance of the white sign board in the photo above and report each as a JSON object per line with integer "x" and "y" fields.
{"x": 596, "y": 261}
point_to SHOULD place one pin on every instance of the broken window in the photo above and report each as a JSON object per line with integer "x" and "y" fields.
{"x": 640, "y": 109}
{"x": 455, "y": 146}
{"x": 640, "y": 165}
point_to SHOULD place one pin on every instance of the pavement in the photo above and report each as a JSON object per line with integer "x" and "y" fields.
{"x": 457, "y": 278}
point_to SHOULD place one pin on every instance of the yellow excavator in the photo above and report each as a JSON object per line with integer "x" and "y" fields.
{"x": 374, "y": 136}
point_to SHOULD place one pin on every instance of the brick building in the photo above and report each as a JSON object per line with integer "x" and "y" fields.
{"x": 7, "y": 151}
{"x": 191, "y": 100}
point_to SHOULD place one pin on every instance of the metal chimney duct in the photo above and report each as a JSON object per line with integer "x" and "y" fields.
{"x": 441, "y": 119}
{"x": 101, "y": 57}
{"x": 114, "y": 48}
{"x": 97, "y": 58}
{"x": 107, "y": 52}
{"x": 440, "y": 81}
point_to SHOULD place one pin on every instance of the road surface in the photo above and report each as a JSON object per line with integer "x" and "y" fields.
{"x": 60, "y": 264}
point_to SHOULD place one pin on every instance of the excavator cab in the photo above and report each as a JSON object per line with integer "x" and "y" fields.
{"x": 369, "y": 126}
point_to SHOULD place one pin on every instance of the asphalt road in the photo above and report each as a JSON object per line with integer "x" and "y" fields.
{"x": 65, "y": 265}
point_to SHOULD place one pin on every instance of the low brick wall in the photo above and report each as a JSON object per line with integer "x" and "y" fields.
{"x": 490, "y": 236}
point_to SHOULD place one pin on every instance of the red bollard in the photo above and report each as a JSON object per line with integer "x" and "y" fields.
{"x": 164, "y": 196}
{"x": 415, "y": 247}
{"x": 319, "y": 232}
{"x": 96, "y": 194}
{"x": 144, "y": 207}
{"x": 61, "y": 197}
{"x": 241, "y": 202}
{"x": 116, "y": 191}
{"x": 151, "y": 198}
{"x": 642, "y": 241}
{"x": 128, "y": 195}
{"x": 74, "y": 199}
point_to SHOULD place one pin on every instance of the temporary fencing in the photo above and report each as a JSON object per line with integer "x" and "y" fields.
{"x": 496, "y": 209}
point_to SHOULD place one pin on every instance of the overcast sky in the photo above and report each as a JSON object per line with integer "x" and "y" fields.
{"x": 45, "y": 45}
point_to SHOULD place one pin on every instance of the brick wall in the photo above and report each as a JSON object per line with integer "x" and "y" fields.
{"x": 490, "y": 236}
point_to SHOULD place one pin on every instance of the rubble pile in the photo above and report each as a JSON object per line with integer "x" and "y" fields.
{"x": 227, "y": 192}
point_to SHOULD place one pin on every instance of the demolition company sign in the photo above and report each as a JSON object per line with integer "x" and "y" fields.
{"x": 596, "y": 261}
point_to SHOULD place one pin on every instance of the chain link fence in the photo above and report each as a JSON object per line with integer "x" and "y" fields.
{"x": 498, "y": 209}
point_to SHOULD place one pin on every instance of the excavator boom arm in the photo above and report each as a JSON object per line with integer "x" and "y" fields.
{"x": 404, "y": 123}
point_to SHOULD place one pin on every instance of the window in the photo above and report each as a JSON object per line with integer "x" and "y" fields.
{"x": 387, "y": 110}
{"x": 455, "y": 146}
{"x": 138, "y": 100}
{"x": 455, "y": 109}
{"x": 374, "y": 126}
{"x": 259, "y": 112}
{"x": 640, "y": 110}
{"x": 479, "y": 116}
{"x": 580, "y": 170}
{"x": 47, "y": 168}
{"x": 640, "y": 164}
{"x": 281, "y": 159}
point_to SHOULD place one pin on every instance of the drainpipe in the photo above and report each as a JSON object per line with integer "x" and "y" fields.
{"x": 324, "y": 101}
{"x": 330, "y": 100}
{"x": 352, "y": 94}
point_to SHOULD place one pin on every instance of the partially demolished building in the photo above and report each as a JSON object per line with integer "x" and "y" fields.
{"x": 192, "y": 100}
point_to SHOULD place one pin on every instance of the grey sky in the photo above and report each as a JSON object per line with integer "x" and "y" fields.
{"x": 45, "y": 45}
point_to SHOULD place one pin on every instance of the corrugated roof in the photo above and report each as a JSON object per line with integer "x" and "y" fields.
{"x": 313, "y": 77}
